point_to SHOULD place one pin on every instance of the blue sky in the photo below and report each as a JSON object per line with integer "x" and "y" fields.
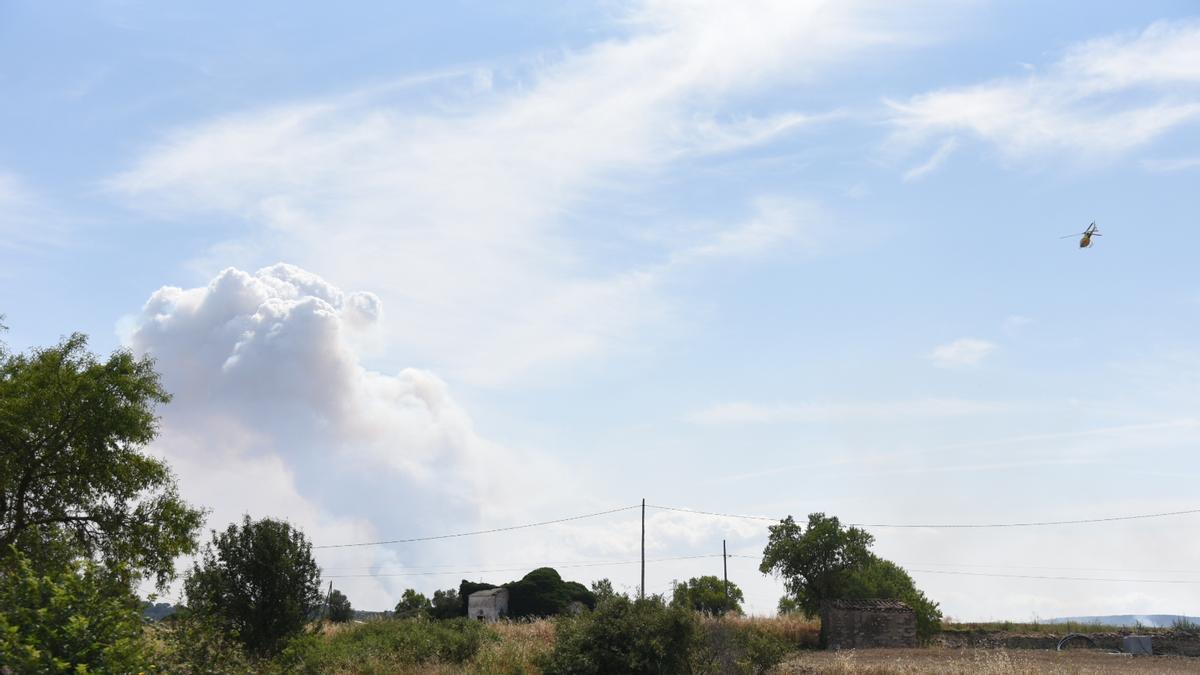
{"x": 768, "y": 258}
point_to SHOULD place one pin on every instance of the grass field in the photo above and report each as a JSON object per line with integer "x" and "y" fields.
{"x": 983, "y": 661}
{"x": 516, "y": 647}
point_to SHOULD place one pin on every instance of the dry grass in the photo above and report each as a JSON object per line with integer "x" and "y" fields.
{"x": 986, "y": 661}
{"x": 793, "y": 629}
{"x": 520, "y": 646}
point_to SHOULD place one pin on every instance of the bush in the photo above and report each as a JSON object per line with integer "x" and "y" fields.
{"x": 258, "y": 581}
{"x": 186, "y": 644}
{"x": 733, "y": 646}
{"x": 340, "y": 609}
{"x": 386, "y": 646}
{"x": 78, "y": 618}
{"x": 624, "y": 636}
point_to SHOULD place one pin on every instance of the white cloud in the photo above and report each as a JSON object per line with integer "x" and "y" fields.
{"x": 964, "y": 352}
{"x": 1163, "y": 165}
{"x": 273, "y": 414}
{"x": 1103, "y": 98}
{"x": 458, "y": 212}
{"x": 935, "y": 160}
{"x": 741, "y": 413}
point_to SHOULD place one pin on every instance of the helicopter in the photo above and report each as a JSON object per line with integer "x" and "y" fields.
{"x": 1085, "y": 237}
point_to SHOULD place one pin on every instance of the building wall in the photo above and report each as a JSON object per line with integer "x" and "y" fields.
{"x": 486, "y": 606}
{"x": 859, "y": 628}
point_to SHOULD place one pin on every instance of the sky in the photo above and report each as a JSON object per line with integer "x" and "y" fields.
{"x": 421, "y": 270}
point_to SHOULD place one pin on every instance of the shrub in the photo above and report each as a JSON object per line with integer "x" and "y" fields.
{"x": 78, "y": 618}
{"x": 624, "y": 636}
{"x": 738, "y": 646}
{"x": 386, "y": 646}
{"x": 187, "y": 644}
{"x": 1185, "y": 624}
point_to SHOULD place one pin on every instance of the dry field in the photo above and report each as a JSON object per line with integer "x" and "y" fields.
{"x": 984, "y": 661}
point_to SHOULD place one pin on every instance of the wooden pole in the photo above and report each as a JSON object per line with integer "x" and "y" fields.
{"x": 725, "y": 564}
{"x": 642, "y": 588}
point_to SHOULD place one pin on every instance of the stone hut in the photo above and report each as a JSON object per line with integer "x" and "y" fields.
{"x": 488, "y": 606}
{"x": 860, "y": 624}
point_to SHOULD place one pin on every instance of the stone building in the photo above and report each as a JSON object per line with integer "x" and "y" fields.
{"x": 490, "y": 605}
{"x": 859, "y": 624}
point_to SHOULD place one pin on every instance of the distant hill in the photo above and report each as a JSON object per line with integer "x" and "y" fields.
{"x": 1148, "y": 620}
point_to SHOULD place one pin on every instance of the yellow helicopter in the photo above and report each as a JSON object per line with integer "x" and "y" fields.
{"x": 1085, "y": 237}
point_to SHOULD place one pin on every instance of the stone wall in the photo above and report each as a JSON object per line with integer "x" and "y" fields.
{"x": 848, "y": 628}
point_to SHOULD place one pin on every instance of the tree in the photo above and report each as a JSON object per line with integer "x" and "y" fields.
{"x": 787, "y": 606}
{"x": 412, "y": 605}
{"x": 445, "y": 604}
{"x": 707, "y": 594}
{"x": 77, "y": 618}
{"x": 258, "y": 580}
{"x": 340, "y": 610}
{"x": 624, "y": 636}
{"x": 828, "y": 562}
{"x": 72, "y": 471}
{"x": 543, "y": 592}
{"x": 603, "y": 590}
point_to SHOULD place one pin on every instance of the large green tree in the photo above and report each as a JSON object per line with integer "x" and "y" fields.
{"x": 826, "y": 561}
{"x": 257, "y": 580}
{"x": 707, "y": 594}
{"x": 412, "y": 605}
{"x": 445, "y": 604}
{"x": 340, "y": 609}
{"x": 73, "y": 429}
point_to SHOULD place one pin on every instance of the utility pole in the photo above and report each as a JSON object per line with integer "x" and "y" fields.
{"x": 725, "y": 564}
{"x": 642, "y": 588}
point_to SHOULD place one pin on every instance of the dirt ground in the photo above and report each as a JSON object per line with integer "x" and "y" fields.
{"x": 986, "y": 661}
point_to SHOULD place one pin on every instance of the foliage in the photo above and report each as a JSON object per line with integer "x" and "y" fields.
{"x": 258, "y": 581}
{"x": 445, "y": 604}
{"x": 543, "y": 592}
{"x": 78, "y": 618}
{"x": 787, "y": 605}
{"x": 732, "y": 646}
{"x": 340, "y": 610}
{"x": 71, "y": 468}
{"x": 706, "y": 594}
{"x": 386, "y": 645}
{"x": 465, "y": 589}
{"x": 1185, "y": 624}
{"x": 188, "y": 644}
{"x": 412, "y": 605}
{"x": 828, "y": 562}
{"x": 603, "y": 590}
{"x": 624, "y": 636}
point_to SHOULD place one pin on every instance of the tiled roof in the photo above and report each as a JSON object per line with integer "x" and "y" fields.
{"x": 871, "y": 605}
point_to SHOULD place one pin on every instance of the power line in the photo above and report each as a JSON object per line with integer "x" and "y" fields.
{"x": 478, "y": 532}
{"x": 1055, "y": 578}
{"x": 913, "y": 568}
{"x": 1059, "y": 567}
{"x": 946, "y": 525}
{"x": 604, "y": 563}
{"x": 717, "y": 514}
